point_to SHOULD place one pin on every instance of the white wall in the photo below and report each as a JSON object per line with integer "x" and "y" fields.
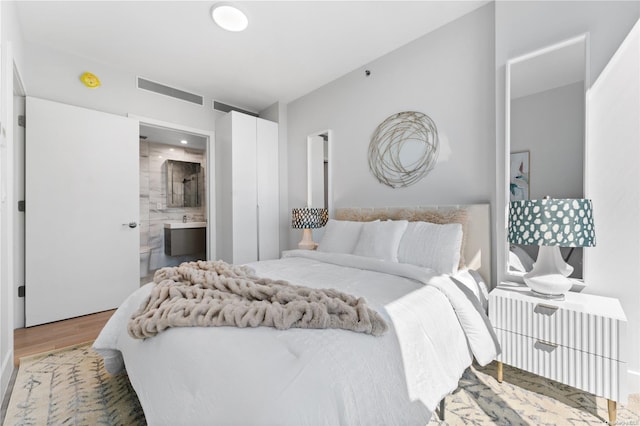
{"x": 448, "y": 75}
{"x": 54, "y": 75}
{"x": 613, "y": 153}
{"x": 523, "y": 27}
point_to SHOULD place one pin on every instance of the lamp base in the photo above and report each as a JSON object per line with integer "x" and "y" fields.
{"x": 549, "y": 274}
{"x": 307, "y": 242}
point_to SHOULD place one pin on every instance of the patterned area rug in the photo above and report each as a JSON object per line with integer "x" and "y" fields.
{"x": 526, "y": 399}
{"x": 70, "y": 386}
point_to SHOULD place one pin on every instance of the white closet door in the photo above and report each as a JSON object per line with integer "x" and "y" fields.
{"x": 82, "y": 185}
{"x": 243, "y": 179}
{"x": 268, "y": 200}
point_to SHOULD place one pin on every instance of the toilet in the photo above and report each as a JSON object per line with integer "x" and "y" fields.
{"x": 145, "y": 256}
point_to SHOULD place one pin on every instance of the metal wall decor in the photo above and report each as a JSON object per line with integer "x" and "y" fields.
{"x": 403, "y": 149}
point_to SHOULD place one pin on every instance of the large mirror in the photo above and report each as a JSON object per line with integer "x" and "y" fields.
{"x": 545, "y": 135}
{"x": 185, "y": 184}
{"x": 318, "y": 170}
{"x": 318, "y": 174}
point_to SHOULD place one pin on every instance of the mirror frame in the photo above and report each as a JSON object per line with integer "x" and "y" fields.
{"x": 329, "y": 189}
{"x": 504, "y": 185}
{"x": 318, "y": 233}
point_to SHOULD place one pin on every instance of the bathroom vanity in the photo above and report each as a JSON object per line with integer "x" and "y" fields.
{"x": 182, "y": 238}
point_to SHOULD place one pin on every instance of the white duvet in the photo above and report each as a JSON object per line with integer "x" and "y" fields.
{"x": 264, "y": 376}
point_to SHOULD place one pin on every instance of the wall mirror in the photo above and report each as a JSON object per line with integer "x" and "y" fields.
{"x": 318, "y": 174}
{"x": 545, "y": 135}
{"x": 318, "y": 170}
{"x": 184, "y": 184}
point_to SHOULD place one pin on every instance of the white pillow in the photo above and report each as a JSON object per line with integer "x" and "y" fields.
{"x": 380, "y": 240}
{"x": 432, "y": 245}
{"x": 340, "y": 236}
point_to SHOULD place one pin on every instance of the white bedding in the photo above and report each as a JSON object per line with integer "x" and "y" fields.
{"x": 264, "y": 376}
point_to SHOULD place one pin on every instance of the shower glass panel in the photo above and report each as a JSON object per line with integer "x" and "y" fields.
{"x": 184, "y": 184}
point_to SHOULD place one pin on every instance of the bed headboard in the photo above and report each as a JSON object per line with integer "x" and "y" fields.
{"x": 475, "y": 219}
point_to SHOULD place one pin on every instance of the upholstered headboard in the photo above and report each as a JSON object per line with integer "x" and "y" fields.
{"x": 475, "y": 220}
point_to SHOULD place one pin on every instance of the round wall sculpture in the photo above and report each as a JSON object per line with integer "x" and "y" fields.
{"x": 403, "y": 149}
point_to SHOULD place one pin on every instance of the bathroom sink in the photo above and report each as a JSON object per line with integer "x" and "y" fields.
{"x": 185, "y": 225}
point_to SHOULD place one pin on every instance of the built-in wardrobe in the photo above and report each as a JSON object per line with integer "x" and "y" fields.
{"x": 247, "y": 203}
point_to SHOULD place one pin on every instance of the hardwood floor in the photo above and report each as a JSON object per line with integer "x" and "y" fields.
{"x": 56, "y": 335}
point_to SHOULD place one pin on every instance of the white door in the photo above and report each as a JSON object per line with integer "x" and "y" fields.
{"x": 82, "y": 192}
{"x": 268, "y": 191}
{"x": 243, "y": 179}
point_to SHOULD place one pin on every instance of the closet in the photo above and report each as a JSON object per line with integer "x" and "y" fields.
{"x": 247, "y": 188}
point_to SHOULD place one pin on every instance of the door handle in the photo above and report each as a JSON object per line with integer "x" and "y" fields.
{"x": 130, "y": 224}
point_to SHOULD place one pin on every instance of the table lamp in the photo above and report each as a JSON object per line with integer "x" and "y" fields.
{"x": 551, "y": 223}
{"x": 308, "y": 218}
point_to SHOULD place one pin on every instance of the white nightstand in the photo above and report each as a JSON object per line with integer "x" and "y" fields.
{"x": 579, "y": 341}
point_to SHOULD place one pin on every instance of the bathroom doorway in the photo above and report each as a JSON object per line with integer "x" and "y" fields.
{"x": 176, "y": 195}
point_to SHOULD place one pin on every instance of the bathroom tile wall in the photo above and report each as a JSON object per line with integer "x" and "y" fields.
{"x": 153, "y": 199}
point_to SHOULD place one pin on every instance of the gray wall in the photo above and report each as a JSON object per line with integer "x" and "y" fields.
{"x": 448, "y": 75}
{"x": 550, "y": 125}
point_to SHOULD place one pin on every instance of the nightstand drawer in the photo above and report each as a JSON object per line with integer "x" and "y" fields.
{"x": 589, "y": 372}
{"x": 562, "y": 323}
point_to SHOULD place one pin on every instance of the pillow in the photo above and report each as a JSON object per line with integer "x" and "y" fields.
{"x": 412, "y": 214}
{"x": 380, "y": 240}
{"x": 432, "y": 245}
{"x": 340, "y": 236}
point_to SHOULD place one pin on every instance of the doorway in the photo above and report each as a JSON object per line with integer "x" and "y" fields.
{"x": 176, "y": 186}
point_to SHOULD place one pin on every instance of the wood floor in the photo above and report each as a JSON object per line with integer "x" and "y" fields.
{"x": 56, "y": 335}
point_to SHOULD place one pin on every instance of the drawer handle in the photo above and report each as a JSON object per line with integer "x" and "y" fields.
{"x": 545, "y": 346}
{"x": 543, "y": 305}
{"x": 546, "y": 310}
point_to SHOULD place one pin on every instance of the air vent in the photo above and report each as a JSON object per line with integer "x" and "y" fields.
{"x": 172, "y": 92}
{"x": 219, "y": 106}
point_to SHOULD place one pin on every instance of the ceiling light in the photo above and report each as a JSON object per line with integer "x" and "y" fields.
{"x": 183, "y": 142}
{"x": 229, "y": 17}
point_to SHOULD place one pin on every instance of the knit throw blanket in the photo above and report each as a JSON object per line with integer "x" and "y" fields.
{"x": 215, "y": 293}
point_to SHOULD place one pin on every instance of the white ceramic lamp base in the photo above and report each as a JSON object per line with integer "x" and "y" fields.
{"x": 307, "y": 241}
{"x": 549, "y": 274}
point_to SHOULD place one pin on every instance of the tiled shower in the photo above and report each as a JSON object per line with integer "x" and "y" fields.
{"x": 154, "y": 212}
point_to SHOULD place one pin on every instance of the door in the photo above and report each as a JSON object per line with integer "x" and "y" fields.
{"x": 267, "y": 190}
{"x": 244, "y": 180}
{"x": 82, "y": 211}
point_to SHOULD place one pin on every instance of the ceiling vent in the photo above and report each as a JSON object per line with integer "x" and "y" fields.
{"x": 219, "y": 106}
{"x": 172, "y": 92}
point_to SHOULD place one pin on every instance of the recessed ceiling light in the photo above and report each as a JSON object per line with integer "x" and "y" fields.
{"x": 229, "y": 17}
{"x": 183, "y": 142}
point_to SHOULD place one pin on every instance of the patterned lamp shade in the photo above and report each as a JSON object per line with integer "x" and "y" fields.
{"x": 552, "y": 222}
{"x": 309, "y": 218}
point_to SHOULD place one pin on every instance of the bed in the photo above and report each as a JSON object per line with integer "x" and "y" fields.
{"x": 263, "y": 376}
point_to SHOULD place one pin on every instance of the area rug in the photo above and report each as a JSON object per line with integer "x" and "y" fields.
{"x": 71, "y": 387}
{"x": 526, "y": 399}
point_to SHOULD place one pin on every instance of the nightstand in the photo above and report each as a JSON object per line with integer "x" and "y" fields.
{"x": 578, "y": 341}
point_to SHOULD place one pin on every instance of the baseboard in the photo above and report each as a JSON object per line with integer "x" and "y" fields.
{"x": 633, "y": 381}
